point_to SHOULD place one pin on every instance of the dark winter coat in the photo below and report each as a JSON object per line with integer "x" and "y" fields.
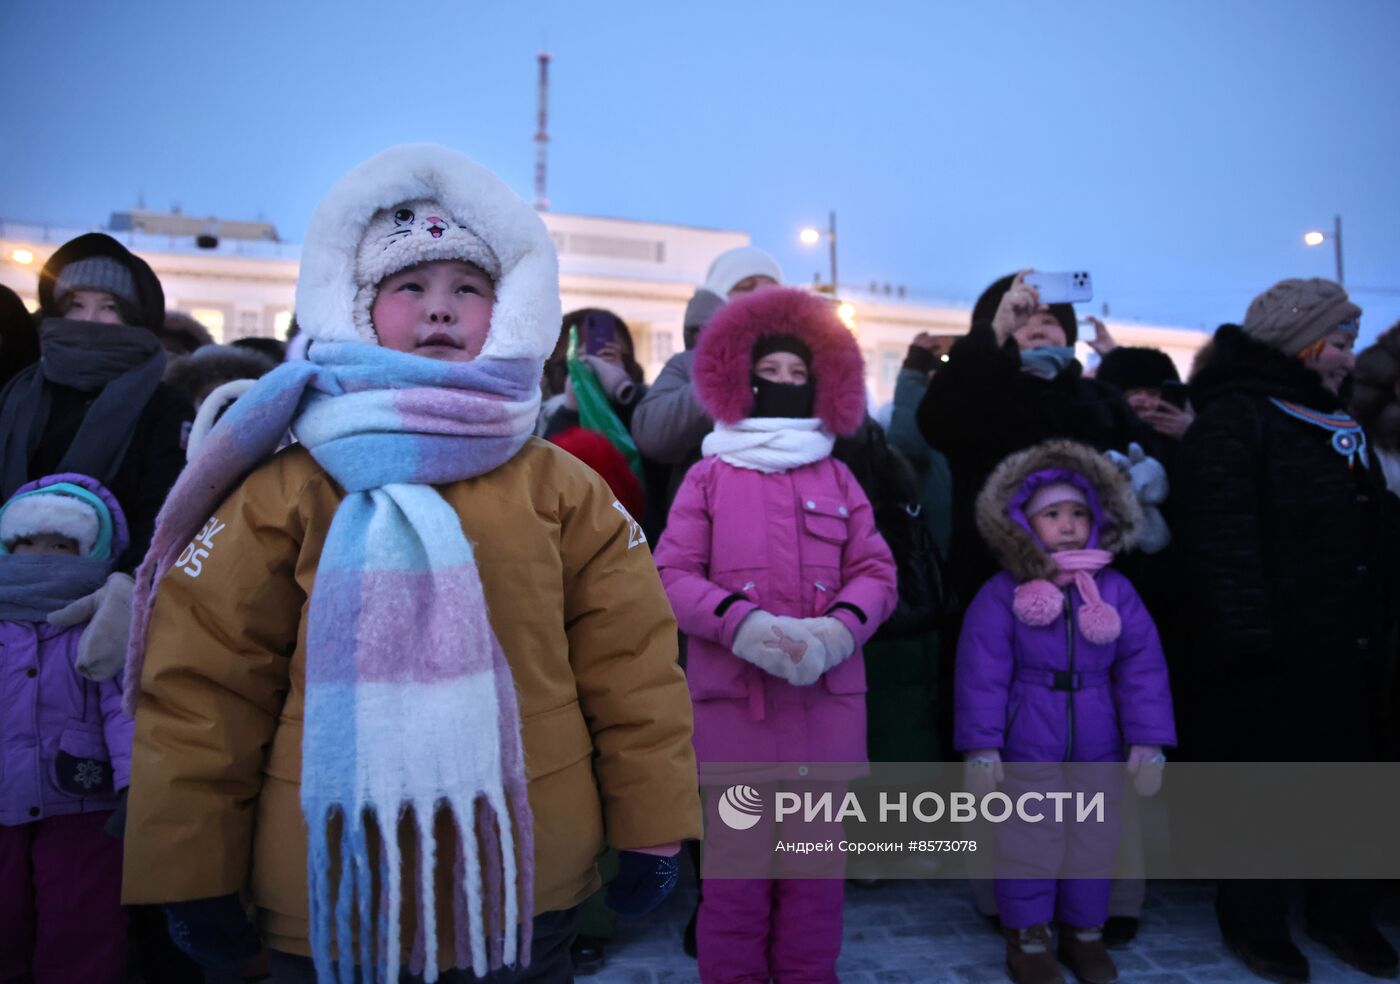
{"x": 1007, "y": 694}
{"x": 1288, "y": 553}
{"x": 980, "y": 407}
{"x": 157, "y": 451}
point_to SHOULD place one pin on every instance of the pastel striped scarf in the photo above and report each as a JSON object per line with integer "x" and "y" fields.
{"x": 410, "y": 706}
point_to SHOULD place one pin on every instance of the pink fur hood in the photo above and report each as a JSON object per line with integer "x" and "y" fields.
{"x": 724, "y": 356}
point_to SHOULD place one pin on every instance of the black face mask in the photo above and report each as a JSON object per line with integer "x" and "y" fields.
{"x": 782, "y": 399}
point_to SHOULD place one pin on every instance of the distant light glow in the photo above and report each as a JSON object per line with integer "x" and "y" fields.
{"x": 1314, "y": 238}
{"x": 943, "y": 358}
{"x": 810, "y": 236}
{"x": 847, "y": 313}
{"x": 22, "y": 256}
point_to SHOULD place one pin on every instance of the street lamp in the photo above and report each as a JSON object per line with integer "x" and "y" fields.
{"x": 1316, "y": 238}
{"x": 811, "y": 237}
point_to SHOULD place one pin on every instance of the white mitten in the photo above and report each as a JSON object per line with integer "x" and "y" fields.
{"x": 781, "y": 646}
{"x": 834, "y": 636}
{"x": 1145, "y": 763}
{"x": 102, "y": 648}
{"x": 614, "y": 380}
{"x": 982, "y": 771}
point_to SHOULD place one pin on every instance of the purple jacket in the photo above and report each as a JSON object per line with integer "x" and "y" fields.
{"x": 801, "y": 543}
{"x": 65, "y": 743}
{"x": 1005, "y": 679}
{"x": 1045, "y": 693}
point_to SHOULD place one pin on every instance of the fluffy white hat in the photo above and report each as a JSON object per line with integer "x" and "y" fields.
{"x": 54, "y": 513}
{"x": 525, "y": 319}
{"x": 736, "y": 264}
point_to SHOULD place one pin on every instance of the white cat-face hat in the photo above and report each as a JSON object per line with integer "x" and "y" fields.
{"x": 415, "y": 203}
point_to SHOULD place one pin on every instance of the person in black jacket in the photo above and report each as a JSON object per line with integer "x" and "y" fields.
{"x": 1284, "y": 520}
{"x": 19, "y": 336}
{"x": 1012, "y": 382}
{"x": 95, "y": 403}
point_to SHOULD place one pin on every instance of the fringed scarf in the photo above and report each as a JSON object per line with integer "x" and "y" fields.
{"x": 410, "y": 704}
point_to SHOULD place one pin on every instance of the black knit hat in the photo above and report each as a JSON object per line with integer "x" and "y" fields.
{"x": 769, "y": 344}
{"x": 986, "y": 309}
{"x": 1131, "y": 368}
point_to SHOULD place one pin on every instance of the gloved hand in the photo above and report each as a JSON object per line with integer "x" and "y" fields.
{"x": 102, "y": 647}
{"x": 1145, "y": 763}
{"x": 613, "y": 378}
{"x": 642, "y": 881}
{"x": 834, "y": 636}
{"x": 215, "y": 933}
{"x": 982, "y": 771}
{"x": 782, "y": 646}
{"x": 116, "y": 823}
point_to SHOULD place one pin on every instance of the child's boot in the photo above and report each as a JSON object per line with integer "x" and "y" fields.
{"x": 1082, "y": 950}
{"x": 1028, "y": 957}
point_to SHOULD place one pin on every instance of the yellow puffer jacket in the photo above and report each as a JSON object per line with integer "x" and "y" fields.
{"x": 577, "y": 605}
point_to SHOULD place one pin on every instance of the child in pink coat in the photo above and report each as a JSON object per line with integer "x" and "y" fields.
{"x": 777, "y": 575}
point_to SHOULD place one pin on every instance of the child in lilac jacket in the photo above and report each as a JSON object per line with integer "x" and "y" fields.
{"x": 65, "y": 743}
{"x": 777, "y": 575}
{"x": 1059, "y": 661}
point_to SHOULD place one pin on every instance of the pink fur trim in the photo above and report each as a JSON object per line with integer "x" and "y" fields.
{"x": 1100, "y": 623}
{"x": 1037, "y": 602}
{"x": 724, "y": 356}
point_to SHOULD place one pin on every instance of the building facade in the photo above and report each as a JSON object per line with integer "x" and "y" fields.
{"x": 646, "y": 272}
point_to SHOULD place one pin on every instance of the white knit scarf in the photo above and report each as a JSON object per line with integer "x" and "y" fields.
{"x": 769, "y": 444}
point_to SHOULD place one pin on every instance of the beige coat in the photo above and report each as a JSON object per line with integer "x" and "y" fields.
{"x": 576, "y": 603}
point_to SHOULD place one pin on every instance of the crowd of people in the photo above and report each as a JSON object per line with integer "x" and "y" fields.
{"x": 393, "y": 651}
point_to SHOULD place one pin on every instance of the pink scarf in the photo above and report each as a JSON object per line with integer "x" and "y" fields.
{"x": 1039, "y": 602}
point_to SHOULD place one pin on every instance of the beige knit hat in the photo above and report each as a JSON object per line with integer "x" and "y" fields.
{"x": 406, "y": 235}
{"x": 1293, "y": 314}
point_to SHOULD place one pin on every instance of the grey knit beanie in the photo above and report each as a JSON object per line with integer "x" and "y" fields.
{"x": 97, "y": 273}
{"x": 1293, "y": 314}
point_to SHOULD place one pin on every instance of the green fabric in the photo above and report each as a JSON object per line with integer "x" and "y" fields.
{"x": 596, "y": 919}
{"x": 901, "y": 699}
{"x": 595, "y": 413}
{"x": 935, "y": 477}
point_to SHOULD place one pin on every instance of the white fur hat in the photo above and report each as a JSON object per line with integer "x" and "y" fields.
{"x": 54, "y": 513}
{"x": 739, "y": 263}
{"x": 525, "y": 319}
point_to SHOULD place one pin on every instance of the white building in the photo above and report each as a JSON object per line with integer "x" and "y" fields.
{"x": 643, "y": 271}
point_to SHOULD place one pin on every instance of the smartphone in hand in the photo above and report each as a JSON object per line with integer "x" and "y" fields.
{"x": 1062, "y": 288}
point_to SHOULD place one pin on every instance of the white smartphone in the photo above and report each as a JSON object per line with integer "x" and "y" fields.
{"x": 1062, "y": 288}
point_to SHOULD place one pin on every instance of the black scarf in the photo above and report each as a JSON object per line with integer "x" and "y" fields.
{"x": 123, "y": 364}
{"x": 782, "y": 399}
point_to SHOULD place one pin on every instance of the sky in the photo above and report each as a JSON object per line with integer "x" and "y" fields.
{"x": 1176, "y": 150}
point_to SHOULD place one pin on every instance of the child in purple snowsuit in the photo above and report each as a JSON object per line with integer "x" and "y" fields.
{"x": 777, "y": 575}
{"x": 1058, "y": 661}
{"x": 65, "y": 743}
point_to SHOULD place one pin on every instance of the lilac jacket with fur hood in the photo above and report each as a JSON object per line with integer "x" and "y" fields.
{"x": 1005, "y": 681}
{"x": 65, "y": 743}
{"x": 801, "y": 543}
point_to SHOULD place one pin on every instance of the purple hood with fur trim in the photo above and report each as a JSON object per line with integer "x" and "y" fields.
{"x": 724, "y": 356}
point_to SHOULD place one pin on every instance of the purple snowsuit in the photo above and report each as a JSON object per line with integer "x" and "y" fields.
{"x": 1046, "y": 693}
{"x": 65, "y": 752}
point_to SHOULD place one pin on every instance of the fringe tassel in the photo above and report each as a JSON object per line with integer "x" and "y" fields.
{"x": 491, "y": 890}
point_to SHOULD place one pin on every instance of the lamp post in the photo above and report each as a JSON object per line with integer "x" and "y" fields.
{"x": 1316, "y": 238}
{"x": 811, "y": 237}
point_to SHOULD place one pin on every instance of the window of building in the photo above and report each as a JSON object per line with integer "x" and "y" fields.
{"x": 249, "y": 323}
{"x": 890, "y": 361}
{"x": 662, "y": 345}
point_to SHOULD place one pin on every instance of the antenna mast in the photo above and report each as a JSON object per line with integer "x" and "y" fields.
{"x": 542, "y": 136}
